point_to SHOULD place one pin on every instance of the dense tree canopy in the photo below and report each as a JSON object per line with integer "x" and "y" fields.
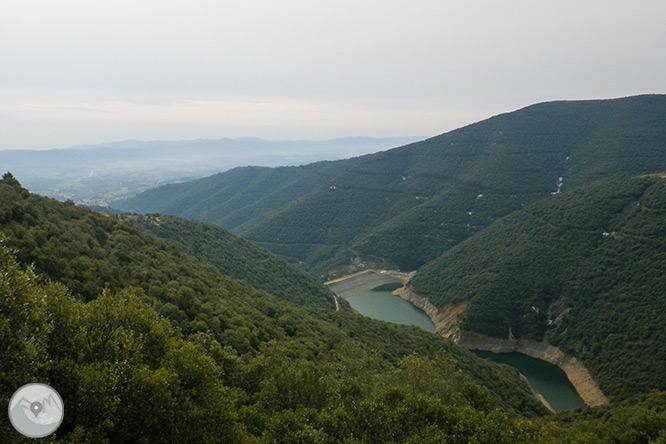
{"x": 271, "y": 364}
{"x": 238, "y": 258}
{"x": 584, "y": 269}
{"x": 123, "y": 323}
{"x": 127, "y": 376}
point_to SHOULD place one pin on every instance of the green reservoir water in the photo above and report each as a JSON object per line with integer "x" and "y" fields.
{"x": 547, "y": 379}
{"x": 380, "y": 304}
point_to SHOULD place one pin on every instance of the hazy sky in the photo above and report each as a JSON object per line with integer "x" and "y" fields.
{"x": 75, "y": 72}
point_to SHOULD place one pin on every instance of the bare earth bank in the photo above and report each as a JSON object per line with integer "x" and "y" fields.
{"x": 447, "y": 317}
{"x": 354, "y": 284}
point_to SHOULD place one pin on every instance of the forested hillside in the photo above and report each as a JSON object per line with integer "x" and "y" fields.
{"x": 585, "y": 269}
{"x": 126, "y": 375}
{"x": 169, "y": 350}
{"x": 404, "y": 207}
{"x": 238, "y": 258}
{"x": 234, "y": 364}
{"x": 237, "y": 199}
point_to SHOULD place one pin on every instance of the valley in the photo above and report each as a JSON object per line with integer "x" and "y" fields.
{"x": 447, "y": 321}
{"x": 108, "y": 172}
{"x": 539, "y": 231}
{"x": 561, "y": 194}
{"x": 374, "y": 293}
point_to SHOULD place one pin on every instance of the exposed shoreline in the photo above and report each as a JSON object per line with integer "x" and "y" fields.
{"x": 446, "y": 320}
{"x": 348, "y": 286}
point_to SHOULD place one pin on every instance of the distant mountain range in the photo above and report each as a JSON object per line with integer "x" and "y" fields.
{"x": 96, "y": 174}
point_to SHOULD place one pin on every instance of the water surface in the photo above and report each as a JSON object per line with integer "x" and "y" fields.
{"x": 545, "y": 378}
{"x": 380, "y": 303}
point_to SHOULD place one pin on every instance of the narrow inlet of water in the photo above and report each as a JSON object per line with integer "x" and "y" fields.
{"x": 546, "y": 379}
{"x": 380, "y": 303}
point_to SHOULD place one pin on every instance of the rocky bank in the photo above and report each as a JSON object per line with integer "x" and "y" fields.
{"x": 447, "y": 318}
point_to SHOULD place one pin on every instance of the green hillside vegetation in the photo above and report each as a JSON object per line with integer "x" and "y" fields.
{"x": 585, "y": 270}
{"x": 126, "y": 375}
{"x": 636, "y": 420}
{"x": 403, "y": 207}
{"x": 280, "y": 372}
{"x": 239, "y": 198}
{"x": 238, "y": 258}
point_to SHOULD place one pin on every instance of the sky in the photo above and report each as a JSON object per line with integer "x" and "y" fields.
{"x": 82, "y": 72}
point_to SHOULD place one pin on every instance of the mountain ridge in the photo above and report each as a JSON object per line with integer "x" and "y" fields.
{"x": 240, "y": 259}
{"x": 98, "y": 174}
{"x": 407, "y": 205}
{"x": 403, "y": 207}
{"x": 237, "y": 364}
{"x": 239, "y": 198}
{"x": 544, "y": 233}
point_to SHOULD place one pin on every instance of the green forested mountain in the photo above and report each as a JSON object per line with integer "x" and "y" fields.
{"x": 238, "y": 258}
{"x": 239, "y": 198}
{"x": 585, "y": 269}
{"x": 126, "y": 375}
{"x": 167, "y": 349}
{"x": 404, "y": 207}
{"x": 270, "y": 371}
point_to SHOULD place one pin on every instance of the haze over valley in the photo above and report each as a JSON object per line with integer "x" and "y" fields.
{"x": 98, "y": 174}
{"x": 333, "y": 222}
{"x": 538, "y": 231}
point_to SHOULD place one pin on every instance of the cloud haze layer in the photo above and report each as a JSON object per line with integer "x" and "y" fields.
{"x": 87, "y": 72}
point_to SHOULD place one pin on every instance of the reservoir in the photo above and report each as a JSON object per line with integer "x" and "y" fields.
{"x": 379, "y": 303}
{"x": 546, "y": 379}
